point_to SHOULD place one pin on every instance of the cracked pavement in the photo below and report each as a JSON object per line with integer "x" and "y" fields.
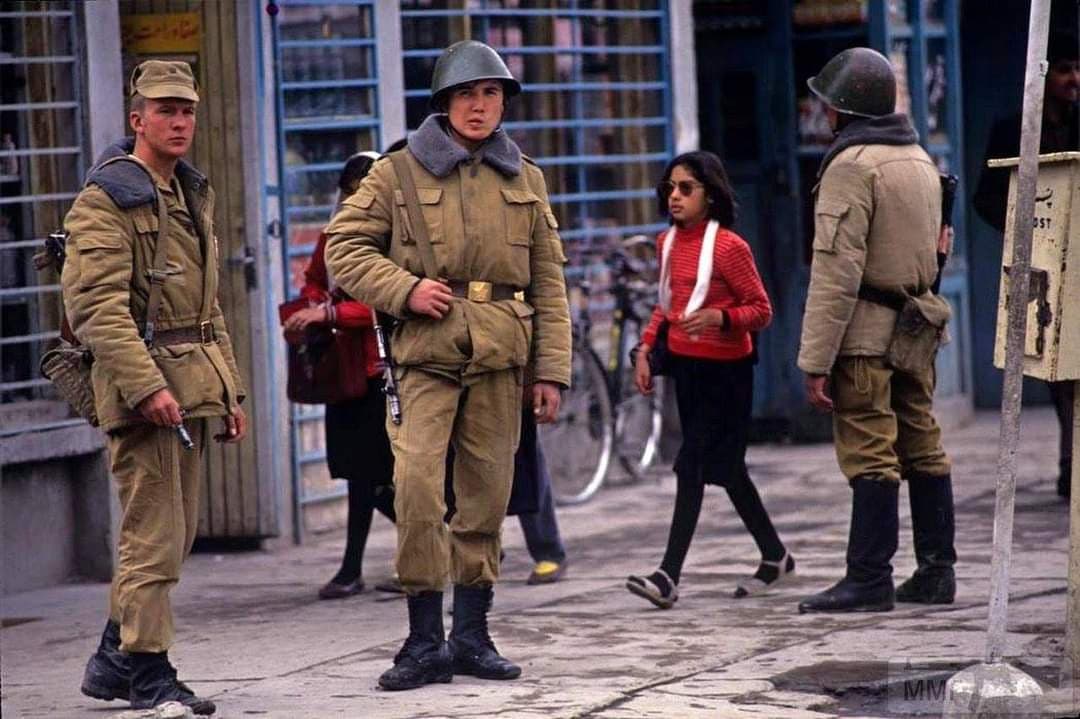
{"x": 252, "y": 635}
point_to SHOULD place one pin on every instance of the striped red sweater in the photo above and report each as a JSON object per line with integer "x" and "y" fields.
{"x": 735, "y": 288}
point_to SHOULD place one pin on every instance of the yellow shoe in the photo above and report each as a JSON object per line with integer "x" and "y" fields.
{"x": 546, "y": 572}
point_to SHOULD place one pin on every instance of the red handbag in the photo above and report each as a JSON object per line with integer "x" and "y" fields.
{"x": 326, "y": 365}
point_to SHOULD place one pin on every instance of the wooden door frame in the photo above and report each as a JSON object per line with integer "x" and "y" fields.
{"x": 267, "y": 381}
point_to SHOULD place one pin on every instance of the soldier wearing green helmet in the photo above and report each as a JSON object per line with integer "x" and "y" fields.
{"x": 877, "y": 222}
{"x": 859, "y": 81}
{"x": 484, "y": 322}
{"x": 465, "y": 62}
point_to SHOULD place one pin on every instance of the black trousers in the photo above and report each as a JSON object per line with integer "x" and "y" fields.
{"x": 358, "y": 450}
{"x": 715, "y": 399}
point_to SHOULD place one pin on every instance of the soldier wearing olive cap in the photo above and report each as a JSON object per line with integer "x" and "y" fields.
{"x": 162, "y": 359}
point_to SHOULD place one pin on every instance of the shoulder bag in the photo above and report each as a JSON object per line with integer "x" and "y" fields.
{"x": 326, "y": 365}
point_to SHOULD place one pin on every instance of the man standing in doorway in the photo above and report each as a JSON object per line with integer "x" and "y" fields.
{"x": 142, "y": 298}
{"x": 877, "y": 219}
{"x": 1060, "y": 133}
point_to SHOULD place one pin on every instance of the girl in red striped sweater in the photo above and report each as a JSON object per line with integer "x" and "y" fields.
{"x": 711, "y": 299}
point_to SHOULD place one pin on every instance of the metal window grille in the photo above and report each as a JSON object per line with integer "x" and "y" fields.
{"x": 41, "y": 167}
{"x": 326, "y": 80}
{"x": 595, "y": 110}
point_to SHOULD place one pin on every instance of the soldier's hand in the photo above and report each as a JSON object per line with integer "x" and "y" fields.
{"x": 815, "y": 392}
{"x": 430, "y": 298}
{"x": 161, "y": 409}
{"x": 642, "y": 370}
{"x": 546, "y": 400}
{"x": 945, "y": 240}
{"x": 235, "y": 427}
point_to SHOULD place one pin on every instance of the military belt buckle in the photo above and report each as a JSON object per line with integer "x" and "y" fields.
{"x": 206, "y": 332}
{"x": 480, "y": 291}
{"x": 519, "y": 295}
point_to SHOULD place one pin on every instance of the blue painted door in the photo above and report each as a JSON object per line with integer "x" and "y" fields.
{"x": 746, "y": 117}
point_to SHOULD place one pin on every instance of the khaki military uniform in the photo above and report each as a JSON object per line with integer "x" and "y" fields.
{"x": 105, "y": 287}
{"x": 461, "y": 377}
{"x": 877, "y": 219}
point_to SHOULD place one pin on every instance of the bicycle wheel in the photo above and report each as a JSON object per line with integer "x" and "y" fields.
{"x": 578, "y": 446}
{"x": 639, "y": 419}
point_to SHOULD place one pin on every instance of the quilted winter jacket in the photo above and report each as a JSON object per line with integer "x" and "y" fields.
{"x": 876, "y": 221}
{"x": 113, "y": 226}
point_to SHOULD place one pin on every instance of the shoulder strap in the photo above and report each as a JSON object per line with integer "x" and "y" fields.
{"x": 416, "y": 216}
{"x": 157, "y": 272}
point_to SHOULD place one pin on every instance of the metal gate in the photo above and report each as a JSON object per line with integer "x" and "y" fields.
{"x": 596, "y": 114}
{"x": 326, "y": 85}
{"x": 595, "y": 111}
{"x": 41, "y": 168}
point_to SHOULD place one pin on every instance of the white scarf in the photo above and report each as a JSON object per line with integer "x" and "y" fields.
{"x": 704, "y": 270}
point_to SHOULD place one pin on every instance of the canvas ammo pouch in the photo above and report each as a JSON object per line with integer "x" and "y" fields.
{"x": 68, "y": 367}
{"x": 917, "y": 334}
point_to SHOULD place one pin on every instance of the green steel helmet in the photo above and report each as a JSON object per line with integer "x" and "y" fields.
{"x": 858, "y": 81}
{"x": 469, "y": 61}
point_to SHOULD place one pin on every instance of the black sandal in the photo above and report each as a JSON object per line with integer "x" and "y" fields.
{"x": 646, "y": 588}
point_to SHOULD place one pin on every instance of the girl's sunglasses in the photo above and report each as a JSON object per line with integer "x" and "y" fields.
{"x": 685, "y": 187}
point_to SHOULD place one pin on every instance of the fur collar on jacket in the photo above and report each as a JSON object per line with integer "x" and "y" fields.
{"x": 433, "y": 148}
{"x": 127, "y": 184}
{"x": 892, "y": 129}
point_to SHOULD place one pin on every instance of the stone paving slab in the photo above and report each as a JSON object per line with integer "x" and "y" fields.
{"x": 252, "y": 634}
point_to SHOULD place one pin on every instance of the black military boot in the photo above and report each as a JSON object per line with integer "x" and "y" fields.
{"x": 934, "y": 527}
{"x": 474, "y": 652}
{"x": 424, "y": 658}
{"x": 867, "y": 586}
{"x": 108, "y": 673}
{"x": 154, "y": 682}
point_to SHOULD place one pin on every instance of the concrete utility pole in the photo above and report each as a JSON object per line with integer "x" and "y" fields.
{"x": 1019, "y": 287}
{"x": 994, "y": 688}
{"x": 1071, "y": 670}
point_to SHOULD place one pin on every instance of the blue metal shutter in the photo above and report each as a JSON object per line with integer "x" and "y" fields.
{"x": 326, "y": 83}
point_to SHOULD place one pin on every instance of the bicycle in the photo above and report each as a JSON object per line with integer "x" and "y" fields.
{"x": 638, "y": 418}
{"x": 603, "y": 416}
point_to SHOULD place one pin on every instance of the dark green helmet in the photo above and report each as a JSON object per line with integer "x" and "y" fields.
{"x": 469, "y": 61}
{"x": 858, "y": 81}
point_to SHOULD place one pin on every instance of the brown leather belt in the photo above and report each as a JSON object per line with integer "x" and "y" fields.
{"x": 485, "y": 291}
{"x": 202, "y": 333}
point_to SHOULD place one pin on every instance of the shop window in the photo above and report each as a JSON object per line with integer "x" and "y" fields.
{"x": 41, "y": 166}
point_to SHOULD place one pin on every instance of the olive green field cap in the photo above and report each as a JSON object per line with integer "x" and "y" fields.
{"x": 858, "y": 81}
{"x": 157, "y": 79}
{"x": 470, "y": 61}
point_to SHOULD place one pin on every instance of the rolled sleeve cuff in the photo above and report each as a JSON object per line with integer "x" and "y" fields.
{"x": 134, "y": 399}
{"x": 815, "y": 367}
{"x": 400, "y": 305}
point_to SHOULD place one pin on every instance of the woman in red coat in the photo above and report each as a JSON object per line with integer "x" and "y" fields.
{"x": 711, "y": 299}
{"x": 357, "y": 447}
